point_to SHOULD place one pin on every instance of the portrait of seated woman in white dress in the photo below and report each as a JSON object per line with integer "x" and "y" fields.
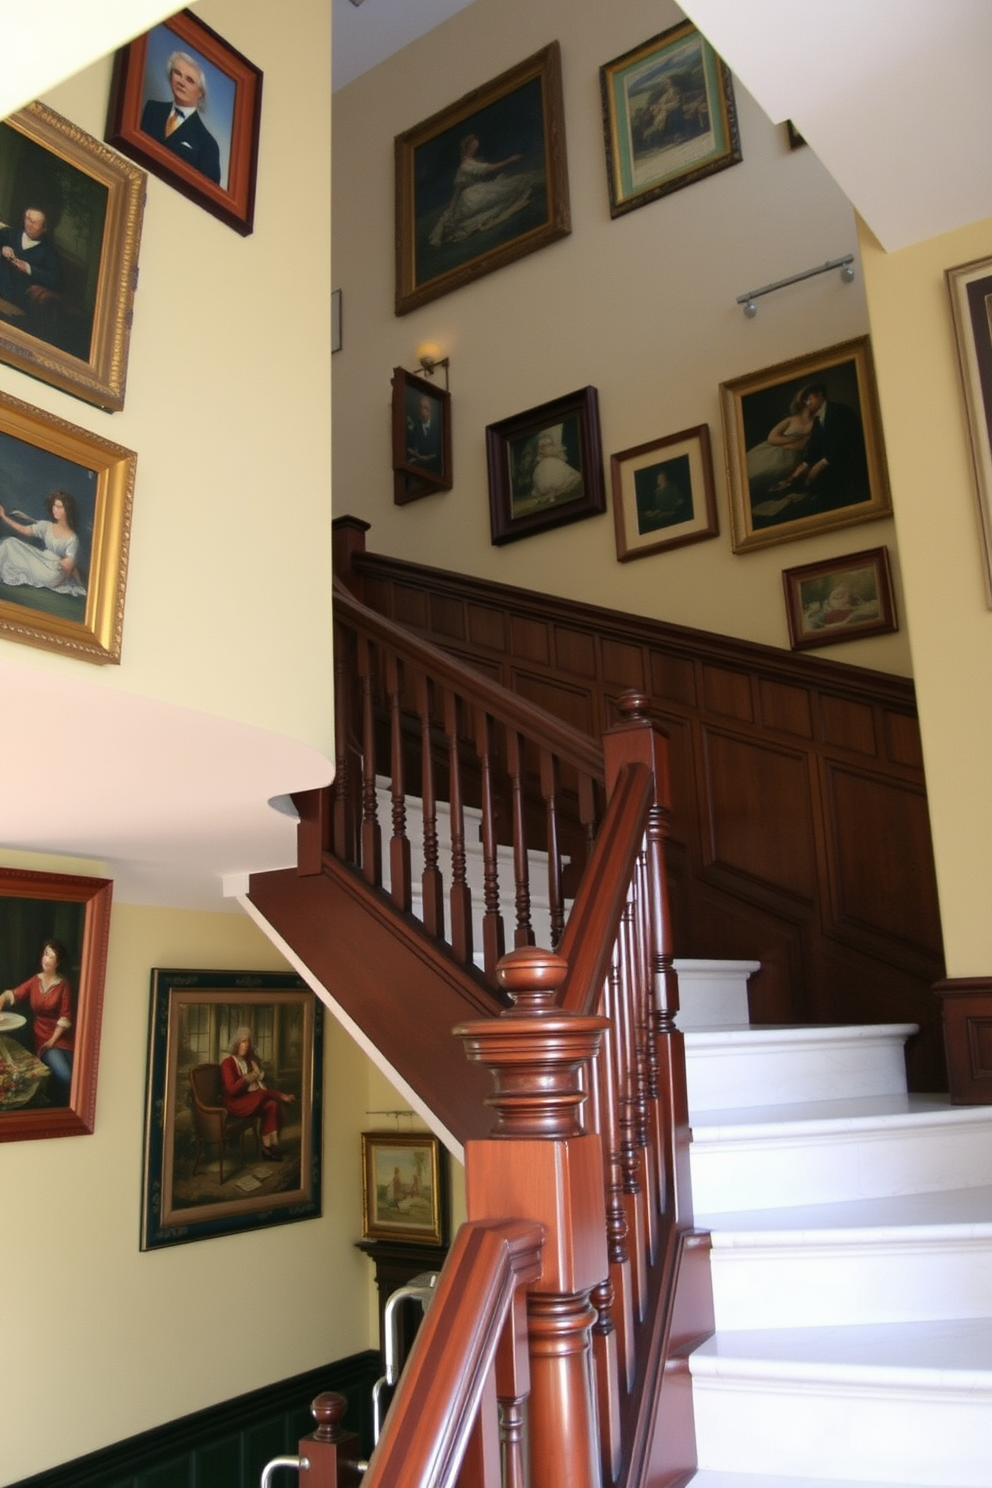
{"x": 483, "y": 197}
{"x": 773, "y": 460}
{"x": 54, "y": 564}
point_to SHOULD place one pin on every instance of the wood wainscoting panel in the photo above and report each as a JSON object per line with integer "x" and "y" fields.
{"x": 848, "y": 725}
{"x": 672, "y": 679}
{"x": 903, "y": 745}
{"x": 487, "y": 627}
{"x": 785, "y": 709}
{"x": 573, "y": 705}
{"x": 757, "y": 804}
{"x": 448, "y": 617}
{"x": 530, "y": 640}
{"x": 728, "y": 693}
{"x": 881, "y": 874}
{"x": 410, "y": 607}
{"x": 575, "y": 651}
{"x": 623, "y": 665}
{"x": 966, "y": 1005}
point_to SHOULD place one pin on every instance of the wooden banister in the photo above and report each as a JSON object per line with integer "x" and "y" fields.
{"x": 470, "y": 1330}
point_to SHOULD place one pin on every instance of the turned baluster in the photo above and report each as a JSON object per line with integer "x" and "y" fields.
{"x": 371, "y": 835}
{"x": 432, "y": 882}
{"x": 616, "y": 1215}
{"x": 493, "y": 939}
{"x": 523, "y": 934}
{"x": 539, "y": 1162}
{"x": 549, "y": 791}
{"x": 331, "y": 1451}
{"x": 461, "y": 894}
{"x": 344, "y": 829}
{"x": 400, "y": 889}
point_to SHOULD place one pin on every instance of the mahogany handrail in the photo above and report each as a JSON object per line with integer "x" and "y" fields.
{"x": 466, "y": 1354}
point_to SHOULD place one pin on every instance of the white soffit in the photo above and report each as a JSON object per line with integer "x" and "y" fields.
{"x": 366, "y": 36}
{"x": 46, "y": 41}
{"x": 893, "y": 95}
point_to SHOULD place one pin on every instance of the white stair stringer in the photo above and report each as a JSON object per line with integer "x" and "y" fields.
{"x": 851, "y": 1264}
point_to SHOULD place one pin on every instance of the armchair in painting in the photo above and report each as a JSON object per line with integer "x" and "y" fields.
{"x": 211, "y": 1122}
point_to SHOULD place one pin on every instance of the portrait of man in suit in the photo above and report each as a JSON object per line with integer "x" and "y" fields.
{"x": 28, "y": 258}
{"x": 423, "y": 428}
{"x": 178, "y": 124}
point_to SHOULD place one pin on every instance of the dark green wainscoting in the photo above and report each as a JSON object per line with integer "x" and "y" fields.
{"x": 228, "y": 1445}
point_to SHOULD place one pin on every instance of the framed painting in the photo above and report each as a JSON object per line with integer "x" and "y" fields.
{"x": 481, "y": 183}
{"x": 70, "y": 225}
{"x": 53, "y": 960}
{"x": 65, "y": 527}
{"x": 404, "y": 1188}
{"x": 970, "y": 288}
{"x": 545, "y": 467}
{"x": 804, "y": 447}
{"x": 187, "y": 106}
{"x": 663, "y": 494}
{"x": 669, "y": 117}
{"x": 839, "y": 599}
{"x": 233, "y": 1105}
{"x": 421, "y": 437}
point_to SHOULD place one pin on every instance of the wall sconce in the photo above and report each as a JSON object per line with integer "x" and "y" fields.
{"x": 428, "y": 354}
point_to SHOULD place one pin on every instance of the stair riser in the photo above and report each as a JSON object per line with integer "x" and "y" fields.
{"x": 776, "y": 1075}
{"x": 824, "y": 1285}
{"x": 883, "y": 1434}
{"x": 766, "y": 1173}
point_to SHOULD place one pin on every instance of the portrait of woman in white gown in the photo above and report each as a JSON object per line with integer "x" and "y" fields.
{"x": 53, "y": 565}
{"x": 483, "y": 197}
{"x": 772, "y": 461}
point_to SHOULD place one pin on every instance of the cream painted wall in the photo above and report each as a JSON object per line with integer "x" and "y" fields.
{"x": 940, "y": 546}
{"x": 103, "y": 1330}
{"x": 228, "y": 596}
{"x": 643, "y": 308}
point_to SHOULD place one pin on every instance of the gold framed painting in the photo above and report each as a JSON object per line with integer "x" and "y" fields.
{"x": 804, "y": 447}
{"x": 482, "y": 182}
{"x": 233, "y": 1117}
{"x": 404, "y": 1188}
{"x": 70, "y": 226}
{"x": 65, "y": 527}
{"x": 669, "y": 117}
{"x": 970, "y": 289}
{"x": 663, "y": 494}
{"x": 54, "y": 930}
{"x": 839, "y": 599}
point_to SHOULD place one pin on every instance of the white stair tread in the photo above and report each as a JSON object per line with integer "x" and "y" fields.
{"x": 830, "y": 1116}
{"x": 752, "y": 1035}
{"x": 949, "y": 1354}
{"x": 960, "y": 1213}
{"x": 710, "y": 1478}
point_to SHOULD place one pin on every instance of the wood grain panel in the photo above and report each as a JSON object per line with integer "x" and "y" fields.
{"x": 575, "y": 651}
{"x": 848, "y": 725}
{"x": 530, "y": 639}
{"x": 572, "y": 704}
{"x": 724, "y": 927}
{"x": 410, "y": 607}
{"x": 487, "y": 627}
{"x": 757, "y": 803}
{"x": 728, "y": 693}
{"x": 448, "y": 616}
{"x": 623, "y": 665}
{"x": 903, "y": 745}
{"x": 673, "y": 678}
{"x": 882, "y": 873}
{"x": 785, "y": 709}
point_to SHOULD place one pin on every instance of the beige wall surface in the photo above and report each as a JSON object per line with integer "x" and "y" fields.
{"x": 940, "y": 544}
{"x": 643, "y": 308}
{"x": 104, "y": 1333}
{"x": 228, "y": 606}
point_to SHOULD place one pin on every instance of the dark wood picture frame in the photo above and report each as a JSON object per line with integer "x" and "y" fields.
{"x": 44, "y": 458}
{"x": 404, "y": 1188}
{"x": 70, "y": 323}
{"x": 421, "y": 447}
{"x": 839, "y": 599}
{"x": 669, "y": 117}
{"x": 663, "y": 494}
{"x": 214, "y": 163}
{"x": 845, "y": 479}
{"x": 450, "y": 228}
{"x": 204, "y": 1173}
{"x": 970, "y": 288}
{"x": 545, "y": 467}
{"x": 75, "y": 912}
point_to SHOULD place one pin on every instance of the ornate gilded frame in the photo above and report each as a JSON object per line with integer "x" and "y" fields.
{"x": 103, "y": 196}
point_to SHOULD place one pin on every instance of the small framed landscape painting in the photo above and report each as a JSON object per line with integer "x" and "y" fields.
{"x": 404, "y": 1188}
{"x": 840, "y": 599}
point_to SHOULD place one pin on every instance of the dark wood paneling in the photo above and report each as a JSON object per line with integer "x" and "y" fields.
{"x": 758, "y": 815}
{"x": 411, "y": 606}
{"x": 828, "y": 882}
{"x": 228, "y": 1445}
{"x": 487, "y": 627}
{"x": 448, "y": 617}
{"x": 967, "y": 1016}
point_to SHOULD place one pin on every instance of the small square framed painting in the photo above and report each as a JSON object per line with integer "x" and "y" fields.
{"x": 669, "y": 117}
{"x": 663, "y": 494}
{"x": 404, "y": 1188}
{"x": 233, "y": 1106}
{"x": 54, "y": 929}
{"x": 840, "y": 599}
{"x": 421, "y": 437}
{"x": 545, "y": 467}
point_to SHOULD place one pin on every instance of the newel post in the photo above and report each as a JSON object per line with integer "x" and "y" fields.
{"x": 538, "y": 1163}
{"x": 331, "y": 1451}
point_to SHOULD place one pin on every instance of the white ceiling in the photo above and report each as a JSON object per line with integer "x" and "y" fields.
{"x": 893, "y": 96}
